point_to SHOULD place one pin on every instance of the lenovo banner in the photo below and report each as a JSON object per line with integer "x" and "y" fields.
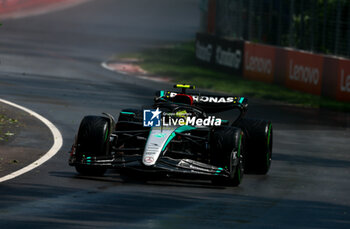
{"x": 343, "y": 83}
{"x": 259, "y": 62}
{"x": 304, "y": 72}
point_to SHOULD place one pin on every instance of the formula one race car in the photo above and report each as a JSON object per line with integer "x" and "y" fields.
{"x": 176, "y": 136}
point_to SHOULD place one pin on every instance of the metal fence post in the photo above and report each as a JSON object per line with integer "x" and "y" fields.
{"x": 241, "y": 21}
{"x": 260, "y": 24}
{"x": 279, "y": 26}
{"x": 313, "y": 19}
{"x": 291, "y": 27}
{"x": 269, "y": 31}
{"x": 337, "y": 32}
{"x": 211, "y": 16}
{"x": 348, "y": 32}
{"x": 324, "y": 29}
{"x": 250, "y": 19}
{"x": 302, "y": 26}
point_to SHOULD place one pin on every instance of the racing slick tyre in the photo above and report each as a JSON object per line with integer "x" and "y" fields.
{"x": 226, "y": 152}
{"x": 92, "y": 140}
{"x": 258, "y": 145}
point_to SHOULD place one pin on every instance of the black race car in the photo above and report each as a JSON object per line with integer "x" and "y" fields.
{"x": 176, "y": 136}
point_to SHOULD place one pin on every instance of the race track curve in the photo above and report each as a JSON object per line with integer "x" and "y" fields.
{"x": 50, "y": 63}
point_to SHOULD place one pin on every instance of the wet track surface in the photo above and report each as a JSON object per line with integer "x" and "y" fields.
{"x": 51, "y": 64}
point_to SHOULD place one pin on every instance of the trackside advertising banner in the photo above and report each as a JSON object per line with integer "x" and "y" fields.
{"x": 304, "y": 71}
{"x": 343, "y": 83}
{"x": 259, "y": 62}
{"x": 205, "y": 48}
{"x": 220, "y": 53}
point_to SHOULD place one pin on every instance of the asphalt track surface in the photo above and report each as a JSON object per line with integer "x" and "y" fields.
{"x": 51, "y": 64}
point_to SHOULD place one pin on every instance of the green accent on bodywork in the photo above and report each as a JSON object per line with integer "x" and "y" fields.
{"x": 184, "y": 128}
{"x": 178, "y": 130}
{"x": 159, "y": 135}
{"x": 269, "y": 136}
{"x": 225, "y": 121}
{"x": 106, "y": 136}
{"x": 128, "y": 113}
{"x": 161, "y": 93}
{"x": 238, "y": 155}
{"x": 219, "y": 170}
{"x": 268, "y": 145}
{"x": 239, "y": 146}
{"x": 241, "y": 100}
{"x": 88, "y": 160}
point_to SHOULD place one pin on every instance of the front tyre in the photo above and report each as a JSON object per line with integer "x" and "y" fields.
{"x": 92, "y": 140}
{"x": 227, "y": 152}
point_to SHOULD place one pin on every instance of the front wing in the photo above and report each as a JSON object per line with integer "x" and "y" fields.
{"x": 163, "y": 165}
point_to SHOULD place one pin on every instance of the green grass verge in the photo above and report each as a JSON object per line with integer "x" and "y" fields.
{"x": 179, "y": 63}
{"x": 7, "y": 125}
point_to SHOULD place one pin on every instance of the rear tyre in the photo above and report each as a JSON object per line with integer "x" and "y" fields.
{"x": 226, "y": 152}
{"x": 92, "y": 140}
{"x": 258, "y": 145}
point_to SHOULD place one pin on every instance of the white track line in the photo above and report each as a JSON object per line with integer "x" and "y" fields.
{"x": 58, "y": 141}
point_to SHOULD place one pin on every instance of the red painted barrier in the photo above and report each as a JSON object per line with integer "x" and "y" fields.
{"x": 259, "y": 62}
{"x": 343, "y": 80}
{"x": 304, "y": 71}
{"x": 10, "y": 6}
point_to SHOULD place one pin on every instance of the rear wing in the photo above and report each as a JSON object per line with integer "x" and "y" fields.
{"x": 210, "y": 103}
